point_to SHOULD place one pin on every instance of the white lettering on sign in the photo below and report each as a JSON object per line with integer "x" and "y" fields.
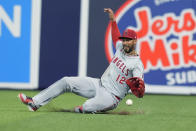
{"x": 181, "y": 77}
{"x": 13, "y": 25}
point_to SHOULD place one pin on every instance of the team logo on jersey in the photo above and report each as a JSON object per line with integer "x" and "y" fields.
{"x": 166, "y": 32}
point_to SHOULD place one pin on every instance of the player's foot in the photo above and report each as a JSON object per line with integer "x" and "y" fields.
{"x": 78, "y": 109}
{"x": 27, "y": 101}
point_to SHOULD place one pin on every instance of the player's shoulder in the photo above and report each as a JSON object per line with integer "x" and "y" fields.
{"x": 139, "y": 63}
{"x": 136, "y": 60}
{"x": 133, "y": 60}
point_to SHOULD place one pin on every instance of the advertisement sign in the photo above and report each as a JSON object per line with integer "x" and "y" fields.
{"x": 166, "y": 42}
{"x": 19, "y": 43}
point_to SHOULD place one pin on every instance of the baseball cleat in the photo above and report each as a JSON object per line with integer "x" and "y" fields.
{"x": 27, "y": 101}
{"x": 78, "y": 109}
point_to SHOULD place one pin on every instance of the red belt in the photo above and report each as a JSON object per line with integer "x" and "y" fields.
{"x": 118, "y": 98}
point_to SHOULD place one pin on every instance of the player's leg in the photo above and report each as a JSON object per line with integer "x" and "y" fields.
{"x": 45, "y": 95}
{"x": 83, "y": 86}
{"x": 103, "y": 101}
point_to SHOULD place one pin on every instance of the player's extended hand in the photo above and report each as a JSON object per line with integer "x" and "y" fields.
{"x": 111, "y": 13}
{"x": 137, "y": 86}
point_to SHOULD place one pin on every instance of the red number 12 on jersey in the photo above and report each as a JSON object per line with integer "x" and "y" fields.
{"x": 120, "y": 79}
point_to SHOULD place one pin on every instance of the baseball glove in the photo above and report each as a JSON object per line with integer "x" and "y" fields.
{"x": 137, "y": 86}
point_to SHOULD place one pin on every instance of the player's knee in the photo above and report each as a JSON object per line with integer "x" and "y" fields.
{"x": 89, "y": 107}
{"x": 65, "y": 81}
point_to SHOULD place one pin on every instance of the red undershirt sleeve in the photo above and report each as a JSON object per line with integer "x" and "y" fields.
{"x": 115, "y": 33}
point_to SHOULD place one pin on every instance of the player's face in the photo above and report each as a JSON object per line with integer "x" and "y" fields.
{"x": 129, "y": 45}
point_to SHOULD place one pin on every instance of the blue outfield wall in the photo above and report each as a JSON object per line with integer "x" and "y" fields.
{"x": 59, "y": 40}
{"x": 15, "y": 60}
{"x": 39, "y": 41}
{"x": 19, "y": 43}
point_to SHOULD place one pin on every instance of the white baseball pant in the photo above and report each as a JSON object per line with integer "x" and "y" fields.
{"x": 99, "y": 98}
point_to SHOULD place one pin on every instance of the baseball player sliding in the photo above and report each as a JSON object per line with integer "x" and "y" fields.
{"x": 124, "y": 72}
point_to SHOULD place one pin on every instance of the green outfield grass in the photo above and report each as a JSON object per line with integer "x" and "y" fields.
{"x": 152, "y": 113}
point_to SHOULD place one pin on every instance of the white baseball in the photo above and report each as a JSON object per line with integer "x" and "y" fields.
{"x": 129, "y": 102}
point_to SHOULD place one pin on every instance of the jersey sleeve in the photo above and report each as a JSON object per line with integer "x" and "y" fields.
{"x": 115, "y": 33}
{"x": 138, "y": 70}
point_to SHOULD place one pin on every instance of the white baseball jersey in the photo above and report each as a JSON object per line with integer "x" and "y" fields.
{"x": 121, "y": 68}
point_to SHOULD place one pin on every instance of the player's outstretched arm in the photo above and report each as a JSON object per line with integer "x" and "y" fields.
{"x": 115, "y": 31}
